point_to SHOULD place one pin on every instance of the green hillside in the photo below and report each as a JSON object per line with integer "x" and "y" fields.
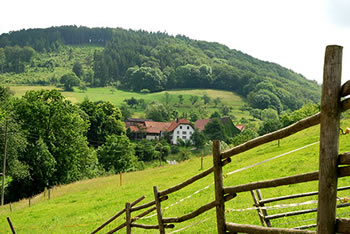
{"x": 82, "y": 206}
{"x": 117, "y": 97}
{"x": 148, "y": 61}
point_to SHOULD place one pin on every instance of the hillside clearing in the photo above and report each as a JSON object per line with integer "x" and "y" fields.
{"x": 117, "y": 97}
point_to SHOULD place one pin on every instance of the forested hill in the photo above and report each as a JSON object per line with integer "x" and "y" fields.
{"x": 144, "y": 61}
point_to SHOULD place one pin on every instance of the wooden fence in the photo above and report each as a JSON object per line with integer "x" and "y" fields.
{"x": 330, "y": 163}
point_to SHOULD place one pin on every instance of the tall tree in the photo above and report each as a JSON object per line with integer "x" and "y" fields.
{"x": 118, "y": 154}
{"x": 78, "y": 69}
{"x": 69, "y": 80}
{"x": 57, "y": 150}
{"x": 105, "y": 119}
{"x": 214, "y": 130}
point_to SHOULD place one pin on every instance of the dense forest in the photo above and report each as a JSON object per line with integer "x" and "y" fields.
{"x": 148, "y": 62}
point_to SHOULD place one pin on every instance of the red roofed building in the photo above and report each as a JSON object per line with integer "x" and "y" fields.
{"x": 241, "y": 127}
{"x": 201, "y": 123}
{"x": 179, "y": 128}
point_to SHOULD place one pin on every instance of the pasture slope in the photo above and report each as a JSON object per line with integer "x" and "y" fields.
{"x": 117, "y": 97}
{"x": 82, "y": 206}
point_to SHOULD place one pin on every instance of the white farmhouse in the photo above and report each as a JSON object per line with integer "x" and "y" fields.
{"x": 180, "y": 129}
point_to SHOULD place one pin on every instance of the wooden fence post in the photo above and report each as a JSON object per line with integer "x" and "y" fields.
{"x": 219, "y": 188}
{"x": 11, "y": 226}
{"x": 329, "y": 140}
{"x": 202, "y": 162}
{"x": 121, "y": 178}
{"x": 159, "y": 210}
{"x": 264, "y": 211}
{"x": 49, "y": 194}
{"x": 128, "y": 217}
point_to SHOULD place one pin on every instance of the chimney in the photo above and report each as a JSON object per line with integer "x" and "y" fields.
{"x": 177, "y": 120}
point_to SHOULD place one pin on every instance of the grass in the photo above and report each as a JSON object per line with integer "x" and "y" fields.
{"x": 117, "y": 97}
{"x": 82, "y": 206}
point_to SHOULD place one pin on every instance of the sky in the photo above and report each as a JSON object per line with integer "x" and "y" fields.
{"x": 292, "y": 33}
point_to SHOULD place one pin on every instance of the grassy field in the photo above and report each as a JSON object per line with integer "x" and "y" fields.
{"x": 82, "y": 206}
{"x": 117, "y": 97}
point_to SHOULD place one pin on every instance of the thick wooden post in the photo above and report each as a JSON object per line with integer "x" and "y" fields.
{"x": 329, "y": 140}
{"x": 219, "y": 188}
{"x": 159, "y": 210}
{"x": 128, "y": 217}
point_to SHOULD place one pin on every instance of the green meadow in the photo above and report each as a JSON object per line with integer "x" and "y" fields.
{"x": 117, "y": 97}
{"x": 82, "y": 206}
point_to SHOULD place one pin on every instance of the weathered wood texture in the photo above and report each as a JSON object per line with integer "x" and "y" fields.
{"x": 306, "y": 226}
{"x": 148, "y": 204}
{"x": 233, "y": 227}
{"x": 143, "y": 214}
{"x": 345, "y": 89}
{"x": 128, "y": 218}
{"x": 132, "y": 220}
{"x": 269, "y": 200}
{"x": 197, "y": 212}
{"x": 256, "y": 203}
{"x": 343, "y": 225}
{"x": 345, "y": 105}
{"x": 343, "y": 171}
{"x": 117, "y": 228}
{"x": 11, "y": 226}
{"x": 219, "y": 188}
{"x": 329, "y": 140}
{"x": 144, "y": 226}
{"x": 137, "y": 200}
{"x": 116, "y": 215}
{"x": 159, "y": 210}
{"x": 191, "y": 180}
{"x": 264, "y": 211}
{"x": 298, "y": 212}
{"x": 344, "y": 159}
{"x": 279, "y": 134}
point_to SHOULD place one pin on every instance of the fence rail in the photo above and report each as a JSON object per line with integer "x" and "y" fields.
{"x": 331, "y": 107}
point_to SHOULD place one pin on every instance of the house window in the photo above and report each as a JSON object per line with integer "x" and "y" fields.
{"x": 178, "y": 137}
{"x": 184, "y": 137}
{"x": 178, "y": 132}
{"x": 184, "y": 132}
{"x": 188, "y": 127}
{"x": 180, "y": 127}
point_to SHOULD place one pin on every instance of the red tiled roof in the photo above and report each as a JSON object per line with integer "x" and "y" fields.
{"x": 133, "y": 128}
{"x": 156, "y": 127}
{"x": 241, "y": 127}
{"x": 176, "y": 123}
{"x": 200, "y": 124}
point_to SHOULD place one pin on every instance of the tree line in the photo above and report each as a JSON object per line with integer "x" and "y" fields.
{"x": 140, "y": 60}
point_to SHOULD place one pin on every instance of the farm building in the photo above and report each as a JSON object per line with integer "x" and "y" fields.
{"x": 145, "y": 128}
